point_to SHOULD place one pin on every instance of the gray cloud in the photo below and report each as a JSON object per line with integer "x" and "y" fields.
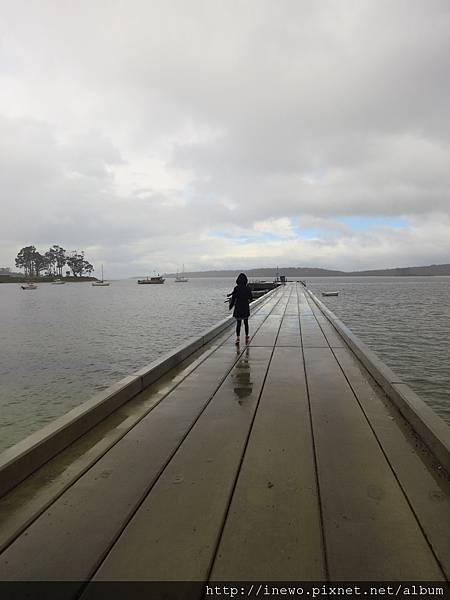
{"x": 141, "y": 130}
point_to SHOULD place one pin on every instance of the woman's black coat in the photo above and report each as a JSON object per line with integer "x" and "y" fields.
{"x": 240, "y": 299}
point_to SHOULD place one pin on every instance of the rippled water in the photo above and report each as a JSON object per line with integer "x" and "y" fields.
{"x": 406, "y": 321}
{"x": 61, "y": 344}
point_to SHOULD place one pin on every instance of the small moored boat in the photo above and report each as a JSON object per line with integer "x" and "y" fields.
{"x": 101, "y": 283}
{"x": 330, "y": 293}
{"x": 29, "y": 286}
{"x": 180, "y": 277}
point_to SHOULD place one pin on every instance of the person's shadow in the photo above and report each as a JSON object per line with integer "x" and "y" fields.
{"x": 243, "y": 385}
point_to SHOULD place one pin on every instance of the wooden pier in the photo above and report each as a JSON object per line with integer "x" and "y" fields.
{"x": 280, "y": 461}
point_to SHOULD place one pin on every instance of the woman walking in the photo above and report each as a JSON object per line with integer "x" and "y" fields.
{"x": 240, "y": 299}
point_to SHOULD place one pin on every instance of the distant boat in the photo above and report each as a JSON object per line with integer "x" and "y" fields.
{"x": 257, "y": 286}
{"x": 330, "y": 293}
{"x": 29, "y": 286}
{"x": 101, "y": 283}
{"x": 58, "y": 282}
{"x": 156, "y": 279}
{"x": 181, "y": 278}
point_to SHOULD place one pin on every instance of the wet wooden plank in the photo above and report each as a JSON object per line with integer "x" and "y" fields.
{"x": 289, "y": 334}
{"x": 292, "y": 306}
{"x": 22, "y": 505}
{"x": 312, "y": 336}
{"x": 304, "y": 308}
{"x": 333, "y": 338}
{"x": 365, "y": 512}
{"x": 280, "y": 308}
{"x": 283, "y": 293}
{"x": 71, "y": 537}
{"x": 173, "y": 535}
{"x": 273, "y": 529}
{"x": 427, "y": 490}
{"x": 267, "y": 333}
{"x": 268, "y": 306}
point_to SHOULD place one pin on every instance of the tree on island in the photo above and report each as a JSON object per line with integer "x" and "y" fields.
{"x": 60, "y": 258}
{"x": 56, "y": 259}
{"x": 53, "y": 261}
{"x": 31, "y": 261}
{"x": 78, "y": 265}
{"x": 40, "y": 263}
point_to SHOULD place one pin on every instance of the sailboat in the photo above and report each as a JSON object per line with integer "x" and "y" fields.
{"x": 101, "y": 283}
{"x": 181, "y": 278}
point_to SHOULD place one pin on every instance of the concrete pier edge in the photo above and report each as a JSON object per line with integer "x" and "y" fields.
{"x": 25, "y": 457}
{"x": 429, "y": 426}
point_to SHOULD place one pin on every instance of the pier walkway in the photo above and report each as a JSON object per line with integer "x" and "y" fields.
{"x": 283, "y": 460}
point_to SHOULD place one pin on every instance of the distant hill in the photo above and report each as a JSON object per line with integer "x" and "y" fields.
{"x": 266, "y": 272}
{"x": 408, "y": 271}
{"x": 303, "y": 272}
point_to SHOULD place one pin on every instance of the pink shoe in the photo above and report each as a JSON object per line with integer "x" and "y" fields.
{"x": 247, "y": 340}
{"x": 237, "y": 342}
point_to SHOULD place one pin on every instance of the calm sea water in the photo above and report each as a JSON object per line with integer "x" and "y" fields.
{"x": 62, "y": 344}
{"x": 406, "y": 321}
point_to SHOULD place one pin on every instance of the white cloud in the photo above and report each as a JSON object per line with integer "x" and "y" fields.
{"x": 138, "y": 129}
{"x": 279, "y": 227}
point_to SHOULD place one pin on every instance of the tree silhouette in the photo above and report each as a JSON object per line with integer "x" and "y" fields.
{"x": 53, "y": 261}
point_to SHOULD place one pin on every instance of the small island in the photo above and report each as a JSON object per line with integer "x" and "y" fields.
{"x": 49, "y": 266}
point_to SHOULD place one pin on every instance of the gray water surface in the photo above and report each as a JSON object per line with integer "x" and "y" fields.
{"x": 406, "y": 321}
{"x": 59, "y": 345}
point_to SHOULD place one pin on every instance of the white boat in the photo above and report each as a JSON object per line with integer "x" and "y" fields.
{"x": 181, "y": 278}
{"x": 58, "y": 282}
{"x": 29, "y": 286}
{"x": 148, "y": 280}
{"x": 330, "y": 293}
{"x": 101, "y": 283}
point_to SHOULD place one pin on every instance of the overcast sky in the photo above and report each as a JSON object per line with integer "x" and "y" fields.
{"x": 226, "y": 134}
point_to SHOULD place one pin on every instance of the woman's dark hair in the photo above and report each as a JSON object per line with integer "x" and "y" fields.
{"x": 242, "y": 279}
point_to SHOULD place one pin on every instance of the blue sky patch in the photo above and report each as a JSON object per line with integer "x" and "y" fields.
{"x": 249, "y": 238}
{"x": 366, "y": 222}
{"x": 308, "y": 233}
{"x": 311, "y": 233}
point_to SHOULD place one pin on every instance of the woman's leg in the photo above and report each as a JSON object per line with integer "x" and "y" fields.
{"x": 246, "y": 326}
{"x": 238, "y": 327}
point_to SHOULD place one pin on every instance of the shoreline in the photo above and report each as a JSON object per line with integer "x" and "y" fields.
{"x": 45, "y": 279}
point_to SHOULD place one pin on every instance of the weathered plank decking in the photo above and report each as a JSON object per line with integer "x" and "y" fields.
{"x": 280, "y": 461}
